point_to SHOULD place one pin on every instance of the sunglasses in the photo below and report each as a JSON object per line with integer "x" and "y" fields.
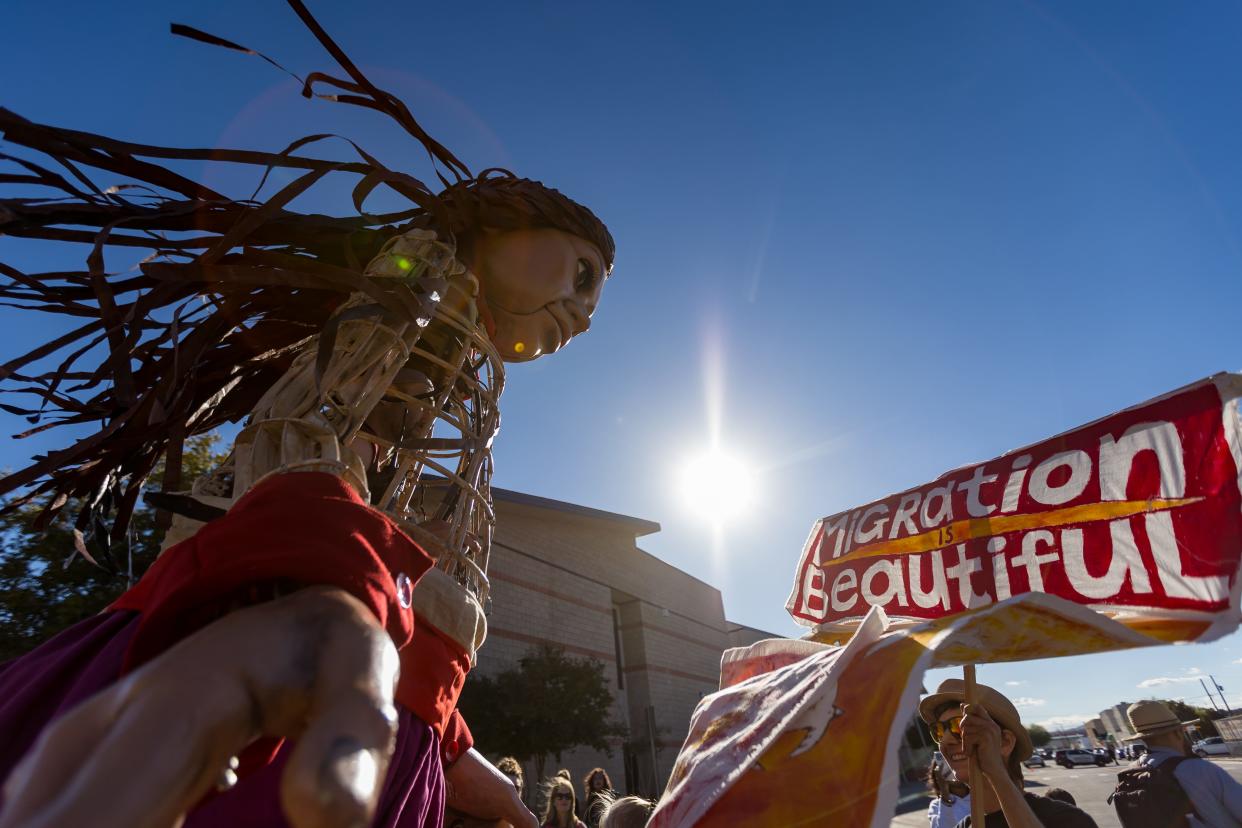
{"x": 953, "y": 725}
{"x": 563, "y": 796}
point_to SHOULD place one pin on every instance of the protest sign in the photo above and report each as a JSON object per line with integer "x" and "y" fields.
{"x": 1138, "y": 515}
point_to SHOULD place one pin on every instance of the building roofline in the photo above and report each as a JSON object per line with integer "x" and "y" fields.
{"x": 640, "y": 526}
{"x": 735, "y": 626}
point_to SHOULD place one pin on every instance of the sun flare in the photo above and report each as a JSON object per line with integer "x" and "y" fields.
{"x": 717, "y": 486}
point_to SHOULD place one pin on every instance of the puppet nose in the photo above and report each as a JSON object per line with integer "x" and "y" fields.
{"x": 578, "y": 316}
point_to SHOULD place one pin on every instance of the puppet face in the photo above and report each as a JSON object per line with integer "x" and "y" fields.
{"x": 541, "y": 286}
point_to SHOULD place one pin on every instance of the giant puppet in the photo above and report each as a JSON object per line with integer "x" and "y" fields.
{"x": 326, "y": 585}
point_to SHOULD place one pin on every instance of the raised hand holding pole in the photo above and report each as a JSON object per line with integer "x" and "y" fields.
{"x": 977, "y": 816}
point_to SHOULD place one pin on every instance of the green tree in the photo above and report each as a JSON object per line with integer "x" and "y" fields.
{"x": 1186, "y": 712}
{"x": 547, "y": 705}
{"x": 45, "y": 586}
{"x": 1039, "y": 735}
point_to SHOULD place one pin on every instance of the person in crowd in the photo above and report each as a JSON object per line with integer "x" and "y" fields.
{"x": 512, "y": 768}
{"x": 626, "y": 812}
{"x": 1061, "y": 795}
{"x": 950, "y": 797}
{"x": 992, "y": 729}
{"x": 597, "y": 792}
{"x": 1215, "y": 796}
{"x": 559, "y": 812}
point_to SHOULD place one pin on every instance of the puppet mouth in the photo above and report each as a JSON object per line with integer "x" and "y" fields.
{"x": 546, "y": 334}
{"x": 564, "y": 330}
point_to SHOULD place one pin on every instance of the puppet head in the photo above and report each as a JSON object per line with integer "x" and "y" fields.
{"x": 540, "y": 257}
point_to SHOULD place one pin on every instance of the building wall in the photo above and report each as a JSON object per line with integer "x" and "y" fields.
{"x": 1097, "y": 733}
{"x": 576, "y": 578}
{"x": 1116, "y": 721}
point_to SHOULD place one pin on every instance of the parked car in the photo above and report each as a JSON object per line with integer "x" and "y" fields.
{"x": 1074, "y": 757}
{"x": 1035, "y": 761}
{"x": 1211, "y": 746}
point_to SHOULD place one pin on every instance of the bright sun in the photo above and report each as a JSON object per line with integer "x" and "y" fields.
{"x": 717, "y": 486}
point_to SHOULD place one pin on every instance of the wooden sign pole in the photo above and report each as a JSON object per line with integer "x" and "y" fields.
{"x": 977, "y": 781}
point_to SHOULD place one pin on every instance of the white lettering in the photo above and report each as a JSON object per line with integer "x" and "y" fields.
{"x": 905, "y": 512}
{"x": 849, "y": 533}
{"x": 1177, "y": 584}
{"x": 1079, "y": 464}
{"x": 1000, "y": 569}
{"x": 894, "y": 584}
{"x": 1117, "y": 459}
{"x": 945, "y": 495}
{"x": 838, "y": 529}
{"x": 813, "y": 589}
{"x": 1032, "y": 559}
{"x": 974, "y": 505}
{"x": 961, "y": 572}
{"x": 939, "y": 592}
{"x": 845, "y": 580}
{"x": 1126, "y": 563}
{"x": 1013, "y": 486}
{"x": 1116, "y": 465}
{"x": 876, "y": 530}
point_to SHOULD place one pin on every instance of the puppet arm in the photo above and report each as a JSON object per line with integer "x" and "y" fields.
{"x": 207, "y": 673}
{"x": 477, "y": 788}
{"x": 294, "y": 530}
{"x": 314, "y": 665}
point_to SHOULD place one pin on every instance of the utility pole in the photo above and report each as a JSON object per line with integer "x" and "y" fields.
{"x": 1221, "y": 690}
{"x": 1211, "y": 698}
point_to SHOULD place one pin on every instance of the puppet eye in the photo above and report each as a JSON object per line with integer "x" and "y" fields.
{"x": 587, "y": 276}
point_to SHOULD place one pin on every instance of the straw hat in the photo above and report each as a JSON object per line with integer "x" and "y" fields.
{"x": 999, "y": 707}
{"x": 1151, "y": 718}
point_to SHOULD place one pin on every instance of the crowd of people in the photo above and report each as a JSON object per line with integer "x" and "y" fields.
{"x": 601, "y": 806}
{"x": 1167, "y": 787}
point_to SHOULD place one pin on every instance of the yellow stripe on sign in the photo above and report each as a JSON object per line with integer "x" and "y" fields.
{"x": 960, "y": 531}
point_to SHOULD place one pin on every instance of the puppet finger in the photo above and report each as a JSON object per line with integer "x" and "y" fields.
{"x": 50, "y": 766}
{"x": 150, "y": 761}
{"x": 337, "y": 769}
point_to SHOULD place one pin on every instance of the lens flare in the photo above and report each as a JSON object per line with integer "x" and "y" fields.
{"x": 718, "y": 486}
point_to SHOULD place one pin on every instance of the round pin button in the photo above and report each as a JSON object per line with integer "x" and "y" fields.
{"x": 405, "y": 590}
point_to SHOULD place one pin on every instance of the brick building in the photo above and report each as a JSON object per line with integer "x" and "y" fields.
{"x": 573, "y": 576}
{"x": 1116, "y": 722}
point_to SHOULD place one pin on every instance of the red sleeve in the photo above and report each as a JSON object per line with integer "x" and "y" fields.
{"x": 299, "y": 528}
{"x": 457, "y": 739}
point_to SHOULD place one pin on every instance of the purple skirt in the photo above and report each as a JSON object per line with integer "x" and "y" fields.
{"x": 84, "y": 659}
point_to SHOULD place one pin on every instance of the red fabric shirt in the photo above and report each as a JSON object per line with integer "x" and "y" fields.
{"x": 306, "y": 528}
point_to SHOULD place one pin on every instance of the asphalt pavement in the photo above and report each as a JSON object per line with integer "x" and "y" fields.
{"x": 1090, "y": 786}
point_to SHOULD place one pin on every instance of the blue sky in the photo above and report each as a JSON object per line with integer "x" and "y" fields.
{"x": 909, "y": 235}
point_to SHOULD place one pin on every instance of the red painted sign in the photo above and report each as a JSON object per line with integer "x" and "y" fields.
{"x": 1135, "y": 514}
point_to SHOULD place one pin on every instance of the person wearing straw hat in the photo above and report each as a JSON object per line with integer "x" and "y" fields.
{"x": 1214, "y": 796}
{"x": 993, "y": 730}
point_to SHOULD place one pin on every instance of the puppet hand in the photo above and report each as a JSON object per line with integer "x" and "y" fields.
{"x": 477, "y": 788}
{"x": 981, "y": 734}
{"x": 315, "y": 666}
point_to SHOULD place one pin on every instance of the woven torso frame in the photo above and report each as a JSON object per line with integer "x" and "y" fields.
{"x": 443, "y": 375}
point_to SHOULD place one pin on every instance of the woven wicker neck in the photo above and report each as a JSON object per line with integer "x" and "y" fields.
{"x": 401, "y": 406}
